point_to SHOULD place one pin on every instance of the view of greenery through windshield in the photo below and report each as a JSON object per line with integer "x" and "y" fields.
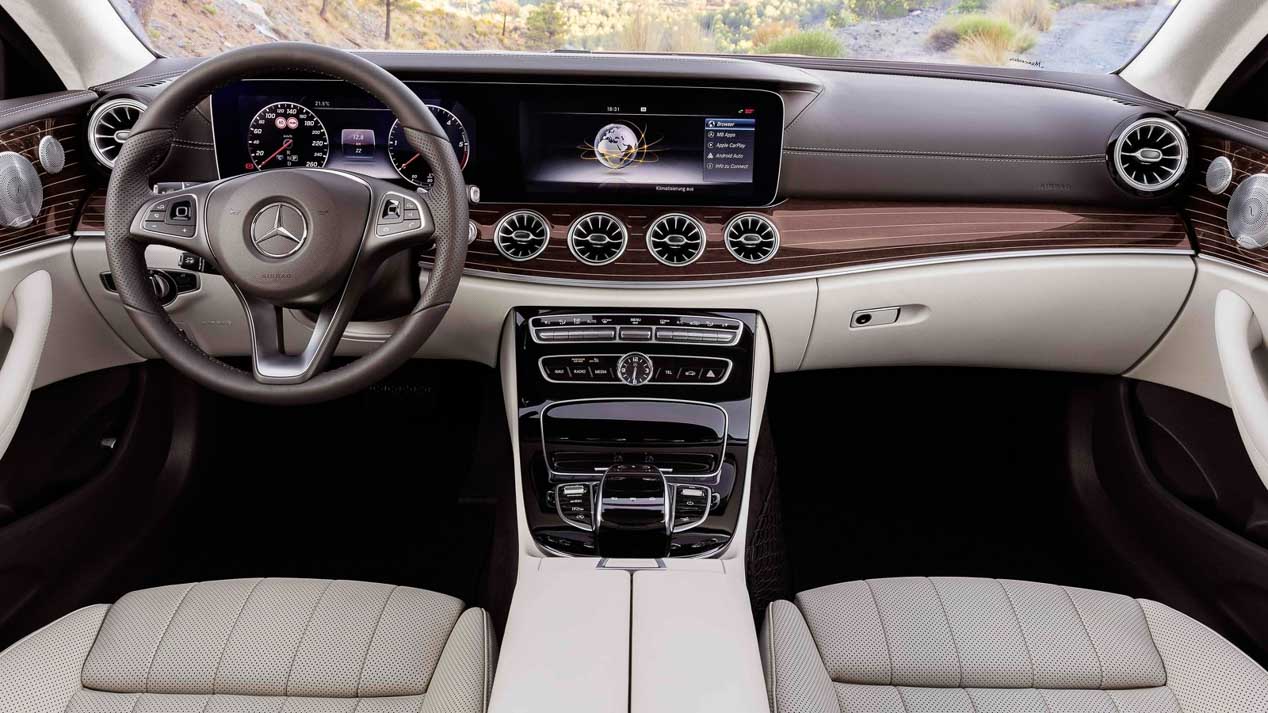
{"x": 1074, "y": 35}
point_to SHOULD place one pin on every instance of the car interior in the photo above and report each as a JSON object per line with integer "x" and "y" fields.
{"x": 404, "y": 378}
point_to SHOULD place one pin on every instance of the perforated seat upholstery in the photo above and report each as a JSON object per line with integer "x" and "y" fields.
{"x": 958, "y": 645}
{"x": 257, "y": 646}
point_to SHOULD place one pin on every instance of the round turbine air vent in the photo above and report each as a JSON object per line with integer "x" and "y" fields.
{"x": 751, "y": 238}
{"x": 1150, "y": 154}
{"x": 676, "y": 239}
{"x": 521, "y": 235}
{"x": 109, "y": 126}
{"x": 597, "y": 238}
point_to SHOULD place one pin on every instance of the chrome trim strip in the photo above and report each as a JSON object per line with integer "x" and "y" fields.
{"x": 833, "y": 272}
{"x": 1230, "y": 263}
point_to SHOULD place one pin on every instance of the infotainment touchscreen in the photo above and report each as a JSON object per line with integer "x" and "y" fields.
{"x": 666, "y": 145}
{"x": 520, "y": 143}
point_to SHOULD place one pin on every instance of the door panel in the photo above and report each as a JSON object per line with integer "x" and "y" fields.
{"x": 97, "y": 466}
{"x": 1184, "y": 512}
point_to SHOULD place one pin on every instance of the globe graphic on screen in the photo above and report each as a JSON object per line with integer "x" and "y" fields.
{"x": 616, "y": 146}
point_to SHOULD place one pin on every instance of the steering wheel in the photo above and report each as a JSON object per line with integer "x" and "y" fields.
{"x": 307, "y": 238}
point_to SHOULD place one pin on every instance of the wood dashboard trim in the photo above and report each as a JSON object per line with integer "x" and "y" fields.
{"x": 820, "y": 237}
{"x": 1208, "y": 214}
{"x": 63, "y": 192}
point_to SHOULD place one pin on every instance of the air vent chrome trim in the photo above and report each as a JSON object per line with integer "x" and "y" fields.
{"x": 675, "y": 225}
{"x": 1143, "y": 157}
{"x": 605, "y": 224}
{"x": 106, "y": 123}
{"x": 518, "y": 221}
{"x": 757, "y": 231}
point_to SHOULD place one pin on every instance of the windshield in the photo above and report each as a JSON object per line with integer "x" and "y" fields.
{"x": 1070, "y": 35}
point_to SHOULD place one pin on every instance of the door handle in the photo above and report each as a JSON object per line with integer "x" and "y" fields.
{"x": 1239, "y": 338}
{"x": 27, "y": 314}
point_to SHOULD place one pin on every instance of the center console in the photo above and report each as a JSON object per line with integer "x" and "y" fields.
{"x": 634, "y": 428}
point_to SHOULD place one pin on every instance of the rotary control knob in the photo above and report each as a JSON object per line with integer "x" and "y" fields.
{"x": 634, "y": 369}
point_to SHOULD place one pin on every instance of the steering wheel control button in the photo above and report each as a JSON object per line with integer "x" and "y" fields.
{"x": 279, "y": 230}
{"x": 398, "y": 215}
{"x": 171, "y": 217}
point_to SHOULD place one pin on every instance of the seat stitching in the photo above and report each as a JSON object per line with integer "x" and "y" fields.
{"x": 959, "y": 661}
{"x": 1043, "y": 698}
{"x": 484, "y": 690}
{"x": 286, "y": 690}
{"x": 207, "y": 703}
{"x": 770, "y": 645}
{"x": 968, "y": 693}
{"x": 1034, "y": 676}
{"x": 135, "y": 702}
{"x": 902, "y": 698}
{"x": 1166, "y": 677}
{"x": 1174, "y": 697}
{"x": 365, "y": 658}
{"x": 149, "y": 671}
{"x": 1112, "y": 700}
{"x": 1099, "y": 665}
{"x": 889, "y": 651}
{"x": 215, "y": 678}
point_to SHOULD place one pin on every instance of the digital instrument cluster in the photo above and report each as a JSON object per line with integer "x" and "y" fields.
{"x": 520, "y": 142}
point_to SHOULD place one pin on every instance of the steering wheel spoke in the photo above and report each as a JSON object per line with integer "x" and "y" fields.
{"x": 176, "y": 220}
{"x": 271, "y": 362}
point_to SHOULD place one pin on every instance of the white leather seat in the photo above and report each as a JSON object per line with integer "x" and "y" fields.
{"x": 959, "y": 645}
{"x": 257, "y": 645}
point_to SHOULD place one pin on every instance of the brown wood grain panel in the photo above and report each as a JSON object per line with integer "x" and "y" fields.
{"x": 1208, "y": 213}
{"x": 826, "y": 235}
{"x": 64, "y": 192}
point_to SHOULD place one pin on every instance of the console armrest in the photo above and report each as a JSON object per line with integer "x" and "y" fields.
{"x": 694, "y": 644}
{"x": 567, "y": 643}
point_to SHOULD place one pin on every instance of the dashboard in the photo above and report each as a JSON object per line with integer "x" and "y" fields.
{"x": 520, "y": 142}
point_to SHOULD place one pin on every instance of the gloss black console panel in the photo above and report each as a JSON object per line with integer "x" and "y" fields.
{"x": 597, "y": 403}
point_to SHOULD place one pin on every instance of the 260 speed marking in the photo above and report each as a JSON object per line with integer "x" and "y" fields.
{"x": 411, "y": 165}
{"x": 286, "y": 134}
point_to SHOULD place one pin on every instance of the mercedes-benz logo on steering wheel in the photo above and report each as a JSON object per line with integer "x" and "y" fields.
{"x": 279, "y": 229}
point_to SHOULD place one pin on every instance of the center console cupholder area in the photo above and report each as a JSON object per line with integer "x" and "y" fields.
{"x": 633, "y": 428}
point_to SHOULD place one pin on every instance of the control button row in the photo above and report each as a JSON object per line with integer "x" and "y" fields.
{"x": 399, "y": 214}
{"x": 692, "y": 504}
{"x": 176, "y": 216}
{"x": 635, "y": 328}
{"x": 694, "y": 336}
{"x": 666, "y": 369}
{"x": 575, "y": 504}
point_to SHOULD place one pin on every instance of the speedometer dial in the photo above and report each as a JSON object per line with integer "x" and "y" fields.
{"x": 410, "y": 164}
{"x": 286, "y": 134}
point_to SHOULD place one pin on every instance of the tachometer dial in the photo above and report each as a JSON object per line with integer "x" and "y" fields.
{"x": 286, "y": 134}
{"x": 410, "y": 164}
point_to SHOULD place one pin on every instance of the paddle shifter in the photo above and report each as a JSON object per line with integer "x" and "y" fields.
{"x": 633, "y": 512}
